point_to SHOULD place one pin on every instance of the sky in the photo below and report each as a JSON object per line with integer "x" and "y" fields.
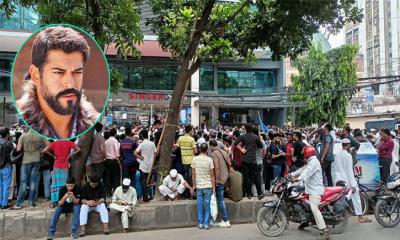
{"x": 338, "y": 39}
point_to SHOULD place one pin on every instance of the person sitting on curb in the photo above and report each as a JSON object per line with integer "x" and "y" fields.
{"x": 124, "y": 200}
{"x": 93, "y": 198}
{"x": 68, "y": 201}
{"x": 173, "y": 186}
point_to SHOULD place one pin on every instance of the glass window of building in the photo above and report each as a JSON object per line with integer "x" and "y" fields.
{"x": 246, "y": 81}
{"x": 206, "y": 78}
{"x": 148, "y": 77}
{"x": 22, "y": 19}
{"x": 5, "y": 71}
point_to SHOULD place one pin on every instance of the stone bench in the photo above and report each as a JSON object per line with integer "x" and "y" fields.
{"x": 30, "y": 224}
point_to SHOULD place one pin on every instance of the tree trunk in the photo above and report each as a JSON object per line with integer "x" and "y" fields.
{"x": 170, "y": 126}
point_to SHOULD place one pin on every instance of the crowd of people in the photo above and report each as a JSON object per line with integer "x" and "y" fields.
{"x": 227, "y": 162}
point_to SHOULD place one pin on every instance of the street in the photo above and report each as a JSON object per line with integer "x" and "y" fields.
{"x": 355, "y": 231}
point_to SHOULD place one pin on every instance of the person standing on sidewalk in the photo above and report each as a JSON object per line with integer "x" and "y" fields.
{"x": 203, "y": 179}
{"x": 129, "y": 162}
{"x": 222, "y": 166}
{"x": 69, "y": 202}
{"x": 385, "y": 148}
{"x": 327, "y": 153}
{"x": 188, "y": 148}
{"x": 251, "y": 143}
{"x": 62, "y": 152}
{"x": 145, "y": 153}
{"x": 31, "y": 144}
{"x": 112, "y": 163}
{"x": 6, "y": 146}
{"x": 97, "y": 152}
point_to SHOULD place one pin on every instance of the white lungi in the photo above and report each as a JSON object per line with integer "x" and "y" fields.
{"x": 125, "y": 213}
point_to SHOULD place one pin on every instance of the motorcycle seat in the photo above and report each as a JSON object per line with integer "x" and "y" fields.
{"x": 329, "y": 191}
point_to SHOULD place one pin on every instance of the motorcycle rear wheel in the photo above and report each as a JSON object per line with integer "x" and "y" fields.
{"x": 382, "y": 211}
{"x": 265, "y": 222}
{"x": 338, "y": 229}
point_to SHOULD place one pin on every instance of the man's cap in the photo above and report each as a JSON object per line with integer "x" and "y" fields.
{"x": 373, "y": 130}
{"x": 126, "y": 182}
{"x": 346, "y": 141}
{"x": 393, "y": 133}
{"x": 173, "y": 173}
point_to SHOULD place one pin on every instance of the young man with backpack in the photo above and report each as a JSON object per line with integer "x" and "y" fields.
{"x": 6, "y": 146}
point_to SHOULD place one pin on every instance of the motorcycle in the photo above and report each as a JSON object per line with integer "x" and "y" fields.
{"x": 292, "y": 204}
{"x": 387, "y": 209}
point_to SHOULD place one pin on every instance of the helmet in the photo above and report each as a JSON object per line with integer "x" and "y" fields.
{"x": 309, "y": 152}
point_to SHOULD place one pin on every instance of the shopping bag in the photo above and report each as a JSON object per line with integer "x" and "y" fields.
{"x": 214, "y": 208}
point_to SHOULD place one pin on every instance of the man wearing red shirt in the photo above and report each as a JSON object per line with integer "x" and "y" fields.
{"x": 385, "y": 153}
{"x": 62, "y": 151}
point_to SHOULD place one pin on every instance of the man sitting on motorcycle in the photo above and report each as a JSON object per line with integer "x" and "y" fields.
{"x": 311, "y": 174}
{"x": 342, "y": 170}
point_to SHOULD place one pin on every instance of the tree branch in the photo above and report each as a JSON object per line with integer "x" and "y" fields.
{"x": 228, "y": 19}
{"x": 199, "y": 27}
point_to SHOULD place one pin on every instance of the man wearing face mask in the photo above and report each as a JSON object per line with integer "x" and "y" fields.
{"x": 53, "y": 102}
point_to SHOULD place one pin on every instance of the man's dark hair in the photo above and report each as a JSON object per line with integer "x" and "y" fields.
{"x": 298, "y": 135}
{"x": 248, "y": 128}
{"x": 113, "y": 132}
{"x": 106, "y": 135}
{"x": 71, "y": 180}
{"x": 358, "y": 134}
{"x": 236, "y": 133}
{"x": 144, "y": 133}
{"x": 386, "y": 131}
{"x": 64, "y": 38}
{"x": 329, "y": 127}
{"x": 98, "y": 126}
{"x": 347, "y": 128}
{"x": 214, "y": 143}
{"x": 128, "y": 131}
{"x": 271, "y": 135}
{"x": 5, "y": 132}
{"x": 94, "y": 178}
{"x": 277, "y": 135}
{"x": 204, "y": 147}
{"x": 188, "y": 128}
{"x": 157, "y": 122}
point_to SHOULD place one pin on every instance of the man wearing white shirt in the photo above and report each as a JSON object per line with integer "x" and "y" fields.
{"x": 124, "y": 200}
{"x": 145, "y": 155}
{"x": 173, "y": 185}
{"x": 112, "y": 173}
{"x": 395, "y": 154}
{"x": 342, "y": 170}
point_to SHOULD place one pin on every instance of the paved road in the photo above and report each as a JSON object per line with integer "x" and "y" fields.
{"x": 354, "y": 231}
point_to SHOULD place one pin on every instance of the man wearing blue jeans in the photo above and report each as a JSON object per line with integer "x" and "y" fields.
{"x": 277, "y": 155}
{"x": 5, "y": 167}
{"x": 31, "y": 144}
{"x": 69, "y": 201}
{"x": 204, "y": 182}
{"x": 222, "y": 166}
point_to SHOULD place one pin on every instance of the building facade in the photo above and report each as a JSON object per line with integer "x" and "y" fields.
{"x": 229, "y": 93}
{"x": 378, "y": 36}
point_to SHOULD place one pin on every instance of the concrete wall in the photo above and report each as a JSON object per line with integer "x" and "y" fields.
{"x": 26, "y": 224}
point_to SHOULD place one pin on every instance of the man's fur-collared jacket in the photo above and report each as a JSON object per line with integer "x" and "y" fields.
{"x": 29, "y": 108}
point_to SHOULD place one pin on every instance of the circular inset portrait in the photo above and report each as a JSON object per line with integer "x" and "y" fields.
{"x": 60, "y": 82}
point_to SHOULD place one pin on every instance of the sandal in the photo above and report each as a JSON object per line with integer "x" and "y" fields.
{"x": 365, "y": 220}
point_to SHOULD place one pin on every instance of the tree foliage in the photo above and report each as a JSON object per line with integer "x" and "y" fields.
{"x": 108, "y": 21}
{"x": 325, "y": 83}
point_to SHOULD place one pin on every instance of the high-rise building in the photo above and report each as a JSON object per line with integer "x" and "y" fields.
{"x": 378, "y": 36}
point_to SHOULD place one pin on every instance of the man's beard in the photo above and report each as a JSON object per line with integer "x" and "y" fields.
{"x": 53, "y": 101}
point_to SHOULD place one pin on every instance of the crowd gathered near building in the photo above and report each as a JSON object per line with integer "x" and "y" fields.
{"x": 229, "y": 162}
